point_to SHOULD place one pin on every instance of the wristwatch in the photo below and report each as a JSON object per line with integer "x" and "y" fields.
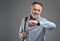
{"x": 38, "y": 23}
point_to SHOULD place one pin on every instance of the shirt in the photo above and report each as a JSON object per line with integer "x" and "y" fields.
{"x": 36, "y": 33}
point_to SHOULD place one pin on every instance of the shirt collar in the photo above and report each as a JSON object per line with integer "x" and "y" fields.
{"x": 34, "y": 19}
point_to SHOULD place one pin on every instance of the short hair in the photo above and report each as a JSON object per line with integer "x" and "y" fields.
{"x": 37, "y": 3}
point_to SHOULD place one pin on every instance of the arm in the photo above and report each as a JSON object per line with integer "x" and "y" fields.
{"x": 21, "y": 29}
{"x": 48, "y": 25}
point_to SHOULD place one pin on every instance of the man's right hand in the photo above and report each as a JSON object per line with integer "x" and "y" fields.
{"x": 23, "y": 34}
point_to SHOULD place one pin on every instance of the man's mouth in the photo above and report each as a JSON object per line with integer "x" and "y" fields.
{"x": 34, "y": 15}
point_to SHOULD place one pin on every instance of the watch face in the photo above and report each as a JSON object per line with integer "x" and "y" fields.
{"x": 38, "y": 24}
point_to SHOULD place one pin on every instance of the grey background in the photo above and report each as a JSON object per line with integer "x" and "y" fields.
{"x": 12, "y": 12}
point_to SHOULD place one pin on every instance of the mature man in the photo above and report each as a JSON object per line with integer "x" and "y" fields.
{"x": 35, "y": 25}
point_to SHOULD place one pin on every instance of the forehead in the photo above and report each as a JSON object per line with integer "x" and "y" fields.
{"x": 36, "y": 6}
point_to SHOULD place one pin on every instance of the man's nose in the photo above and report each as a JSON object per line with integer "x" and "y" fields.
{"x": 36, "y": 11}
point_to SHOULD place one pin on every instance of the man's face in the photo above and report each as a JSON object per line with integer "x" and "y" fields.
{"x": 36, "y": 10}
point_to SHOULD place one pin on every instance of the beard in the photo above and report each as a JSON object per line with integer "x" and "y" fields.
{"x": 35, "y": 16}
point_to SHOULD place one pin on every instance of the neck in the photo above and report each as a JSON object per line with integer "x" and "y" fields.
{"x": 32, "y": 18}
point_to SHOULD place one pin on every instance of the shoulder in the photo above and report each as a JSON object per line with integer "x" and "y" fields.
{"x": 23, "y": 19}
{"x": 43, "y": 19}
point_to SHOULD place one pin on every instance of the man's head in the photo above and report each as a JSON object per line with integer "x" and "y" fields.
{"x": 36, "y": 9}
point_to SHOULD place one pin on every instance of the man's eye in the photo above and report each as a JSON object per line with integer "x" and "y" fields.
{"x": 38, "y": 10}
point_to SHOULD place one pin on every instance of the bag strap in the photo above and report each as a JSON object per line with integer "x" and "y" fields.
{"x": 25, "y": 23}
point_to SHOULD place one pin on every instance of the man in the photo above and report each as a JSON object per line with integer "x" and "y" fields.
{"x": 35, "y": 25}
